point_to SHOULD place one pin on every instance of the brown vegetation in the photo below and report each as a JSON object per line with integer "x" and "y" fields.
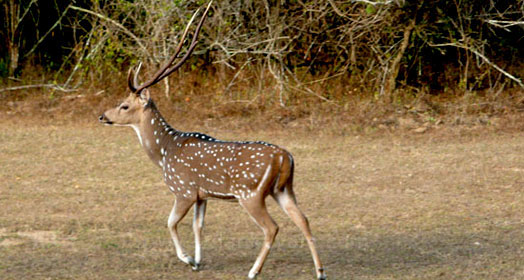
{"x": 200, "y": 106}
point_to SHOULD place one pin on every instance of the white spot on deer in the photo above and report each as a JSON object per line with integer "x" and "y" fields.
{"x": 152, "y": 121}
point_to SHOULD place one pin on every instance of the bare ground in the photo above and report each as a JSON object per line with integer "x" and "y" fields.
{"x": 84, "y": 202}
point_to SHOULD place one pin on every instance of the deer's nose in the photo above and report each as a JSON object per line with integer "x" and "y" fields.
{"x": 103, "y": 119}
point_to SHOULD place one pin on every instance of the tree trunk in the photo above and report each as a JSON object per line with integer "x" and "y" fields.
{"x": 395, "y": 65}
{"x": 12, "y": 11}
{"x": 12, "y": 48}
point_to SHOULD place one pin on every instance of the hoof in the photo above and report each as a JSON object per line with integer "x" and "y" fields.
{"x": 188, "y": 260}
{"x": 321, "y": 274}
{"x": 252, "y": 275}
{"x": 196, "y": 267}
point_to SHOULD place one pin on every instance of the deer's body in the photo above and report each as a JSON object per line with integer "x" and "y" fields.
{"x": 197, "y": 167}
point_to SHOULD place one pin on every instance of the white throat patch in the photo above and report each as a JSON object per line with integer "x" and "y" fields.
{"x": 137, "y": 130}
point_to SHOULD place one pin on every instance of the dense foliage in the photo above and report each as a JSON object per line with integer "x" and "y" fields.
{"x": 376, "y": 46}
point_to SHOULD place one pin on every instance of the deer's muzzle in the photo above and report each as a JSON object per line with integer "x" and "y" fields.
{"x": 103, "y": 119}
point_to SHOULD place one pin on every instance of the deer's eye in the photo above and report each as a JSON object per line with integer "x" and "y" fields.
{"x": 124, "y": 107}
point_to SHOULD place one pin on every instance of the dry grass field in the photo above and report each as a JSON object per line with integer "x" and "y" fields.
{"x": 84, "y": 202}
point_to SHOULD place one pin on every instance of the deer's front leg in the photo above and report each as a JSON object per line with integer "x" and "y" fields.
{"x": 198, "y": 224}
{"x": 177, "y": 214}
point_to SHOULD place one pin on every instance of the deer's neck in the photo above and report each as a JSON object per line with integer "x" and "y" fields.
{"x": 153, "y": 133}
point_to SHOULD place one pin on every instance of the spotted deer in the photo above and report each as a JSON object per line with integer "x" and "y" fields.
{"x": 197, "y": 167}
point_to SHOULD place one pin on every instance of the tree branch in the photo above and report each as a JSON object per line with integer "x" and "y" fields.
{"x": 125, "y": 30}
{"x": 52, "y": 86}
{"x": 504, "y": 23}
{"x": 481, "y": 56}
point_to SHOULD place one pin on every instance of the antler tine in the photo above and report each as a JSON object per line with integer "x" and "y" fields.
{"x": 166, "y": 70}
{"x": 132, "y": 83}
{"x": 135, "y": 79}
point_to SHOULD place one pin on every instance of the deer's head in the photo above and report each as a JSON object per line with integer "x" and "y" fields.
{"x": 133, "y": 108}
{"x": 128, "y": 112}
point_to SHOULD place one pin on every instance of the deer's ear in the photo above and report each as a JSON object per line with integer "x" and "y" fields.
{"x": 144, "y": 97}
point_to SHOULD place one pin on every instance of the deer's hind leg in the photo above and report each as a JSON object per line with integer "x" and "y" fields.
{"x": 178, "y": 212}
{"x": 285, "y": 198}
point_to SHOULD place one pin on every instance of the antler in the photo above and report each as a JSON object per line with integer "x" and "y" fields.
{"x": 168, "y": 68}
{"x": 132, "y": 83}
